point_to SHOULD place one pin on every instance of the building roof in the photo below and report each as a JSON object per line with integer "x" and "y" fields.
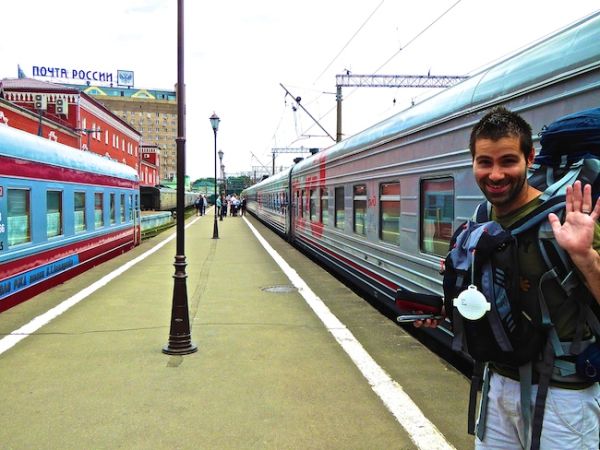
{"x": 126, "y": 92}
{"x": 30, "y": 84}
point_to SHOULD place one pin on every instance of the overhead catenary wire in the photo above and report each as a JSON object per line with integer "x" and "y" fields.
{"x": 419, "y": 34}
{"x": 416, "y": 36}
{"x": 349, "y": 41}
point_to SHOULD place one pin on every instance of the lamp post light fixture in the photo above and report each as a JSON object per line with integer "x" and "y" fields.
{"x": 180, "y": 338}
{"x": 214, "y": 123}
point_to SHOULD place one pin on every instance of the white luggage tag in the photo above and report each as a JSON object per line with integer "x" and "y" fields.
{"x": 471, "y": 303}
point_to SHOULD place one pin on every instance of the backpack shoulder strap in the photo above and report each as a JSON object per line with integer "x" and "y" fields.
{"x": 482, "y": 212}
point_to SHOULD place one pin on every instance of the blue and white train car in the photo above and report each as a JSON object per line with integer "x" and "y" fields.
{"x": 62, "y": 211}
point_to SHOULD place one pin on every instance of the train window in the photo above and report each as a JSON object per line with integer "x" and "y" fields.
{"x": 113, "y": 212}
{"x": 301, "y": 208}
{"x": 98, "y": 210}
{"x": 340, "y": 213}
{"x": 389, "y": 212}
{"x": 359, "y": 207}
{"x": 54, "y": 224}
{"x": 437, "y": 214}
{"x": 324, "y": 207}
{"x": 19, "y": 216}
{"x": 313, "y": 205}
{"x": 122, "y": 208}
{"x": 79, "y": 212}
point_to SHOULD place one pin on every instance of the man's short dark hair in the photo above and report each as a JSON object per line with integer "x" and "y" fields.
{"x": 499, "y": 123}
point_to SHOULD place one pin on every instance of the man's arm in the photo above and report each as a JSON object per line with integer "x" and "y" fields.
{"x": 576, "y": 234}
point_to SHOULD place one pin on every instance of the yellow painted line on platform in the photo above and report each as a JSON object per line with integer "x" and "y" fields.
{"x": 422, "y": 432}
{"x": 12, "y": 339}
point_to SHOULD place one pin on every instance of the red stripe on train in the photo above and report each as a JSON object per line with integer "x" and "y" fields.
{"x": 20, "y": 168}
{"x": 352, "y": 264}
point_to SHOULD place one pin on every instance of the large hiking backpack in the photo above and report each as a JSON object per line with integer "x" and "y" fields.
{"x": 482, "y": 254}
{"x": 570, "y": 151}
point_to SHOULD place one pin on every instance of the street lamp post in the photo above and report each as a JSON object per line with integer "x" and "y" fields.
{"x": 221, "y": 164}
{"x": 214, "y": 123}
{"x": 180, "y": 342}
{"x": 224, "y": 179}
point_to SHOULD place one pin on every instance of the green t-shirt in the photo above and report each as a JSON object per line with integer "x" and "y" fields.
{"x": 564, "y": 313}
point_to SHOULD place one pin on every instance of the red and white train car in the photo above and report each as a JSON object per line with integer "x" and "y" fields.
{"x": 379, "y": 208}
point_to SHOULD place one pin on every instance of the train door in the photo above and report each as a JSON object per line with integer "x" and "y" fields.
{"x": 135, "y": 216}
{"x": 289, "y": 218}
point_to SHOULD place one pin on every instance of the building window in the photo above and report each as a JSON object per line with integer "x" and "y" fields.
{"x": 437, "y": 214}
{"x": 389, "y": 212}
{"x": 19, "y": 216}
{"x": 54, "y": 224}
{"x": 79, "y": 212}
{"x": 340, "y": 213}
{"x": 324, "y": 207}
{"x": 98, "y": 210}
{"x": 359, "y": 208}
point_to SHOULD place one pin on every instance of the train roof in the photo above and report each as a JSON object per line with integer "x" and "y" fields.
{"x": 22, "y": 145}
{"x": 279, "y": 176}
{"x": 571, "y": 50}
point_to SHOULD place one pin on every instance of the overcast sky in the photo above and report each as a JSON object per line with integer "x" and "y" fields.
{"x": 237, "y": 52}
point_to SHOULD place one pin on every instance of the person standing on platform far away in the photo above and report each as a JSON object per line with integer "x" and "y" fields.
{"x": 218, "y": 206}
{"x": 243, "y": 206}
{"x": 223, "y": 206}
{"x": 198, "y": 205}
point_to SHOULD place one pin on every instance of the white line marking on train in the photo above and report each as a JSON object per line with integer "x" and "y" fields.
{"x": 38, "y": 322}
{"x": 422, "y": 432}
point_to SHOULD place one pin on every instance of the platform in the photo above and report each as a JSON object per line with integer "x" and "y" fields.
{"x": 268, "y": 374}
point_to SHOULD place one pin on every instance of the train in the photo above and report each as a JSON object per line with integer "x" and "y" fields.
{"x": 62, "y": 211}
{"x": 162, "y": 198}
{"x": 379, "y": 208}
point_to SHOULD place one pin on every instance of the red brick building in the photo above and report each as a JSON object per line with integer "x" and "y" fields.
{"x": 71, "y": 117}
{"x": 149, "y": 164}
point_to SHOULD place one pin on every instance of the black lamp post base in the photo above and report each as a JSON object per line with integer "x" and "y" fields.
{"x": 180, "y": 336}
{"x": 180, "y": 346}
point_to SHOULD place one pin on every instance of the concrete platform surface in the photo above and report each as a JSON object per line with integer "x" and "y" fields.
{"x": 267, "y": 373}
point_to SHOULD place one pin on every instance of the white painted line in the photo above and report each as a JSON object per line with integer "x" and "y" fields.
{"x": 35, "y": 324}
{"x": 422, "y": 432}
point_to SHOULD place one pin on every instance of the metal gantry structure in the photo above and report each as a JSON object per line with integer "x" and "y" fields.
{"x": 277, "y": 150}
{"x": 390, "y": 81}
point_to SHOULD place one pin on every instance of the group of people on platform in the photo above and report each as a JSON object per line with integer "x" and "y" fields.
{"x": 200, "y": 204}
{"x": 233, "y": 203}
